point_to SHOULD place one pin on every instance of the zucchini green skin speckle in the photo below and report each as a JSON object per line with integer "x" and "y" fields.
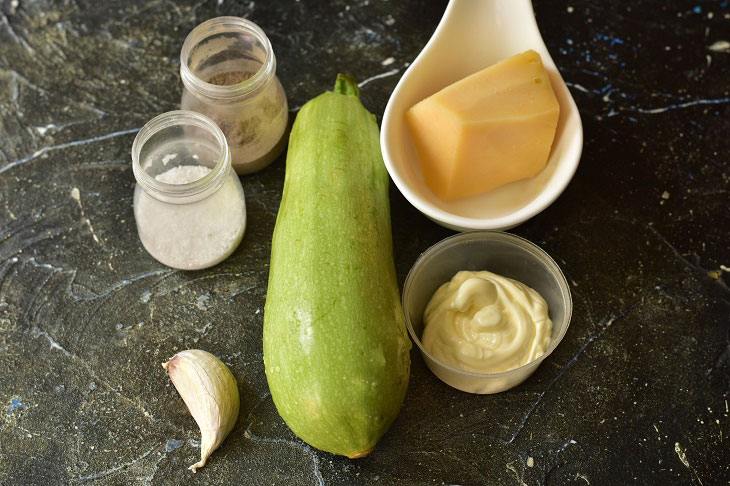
{"x": 336, "y": 351}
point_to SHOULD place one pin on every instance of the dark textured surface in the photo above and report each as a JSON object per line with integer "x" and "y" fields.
{"x": 637, "y": 393}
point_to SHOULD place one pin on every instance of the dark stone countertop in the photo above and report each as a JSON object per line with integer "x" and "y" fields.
{"x": 637, "y": 393}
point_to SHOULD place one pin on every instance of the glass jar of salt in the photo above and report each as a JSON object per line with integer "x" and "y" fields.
{"x": 228, "y": 70}
{"x": 188, "y": 203}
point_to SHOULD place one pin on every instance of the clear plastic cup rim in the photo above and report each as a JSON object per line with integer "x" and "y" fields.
{"x": 509, "y": 237}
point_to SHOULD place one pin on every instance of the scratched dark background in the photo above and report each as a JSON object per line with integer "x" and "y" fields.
{"x": 637, "y": 393}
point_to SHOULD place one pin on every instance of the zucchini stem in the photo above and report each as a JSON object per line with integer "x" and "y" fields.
{"x": 346, "y": 85}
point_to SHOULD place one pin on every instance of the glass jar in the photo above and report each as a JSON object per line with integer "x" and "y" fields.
{"x": 188, "y": 204}
{"x": 228, "y": 70}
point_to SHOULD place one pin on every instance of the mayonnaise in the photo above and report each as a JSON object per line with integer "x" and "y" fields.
{"x": 486, "y": 323}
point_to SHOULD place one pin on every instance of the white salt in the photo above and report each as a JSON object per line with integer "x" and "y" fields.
{"x": 183, "y": 174}
{"x": 197, "y": 233}
{"x": 167, "y": 158}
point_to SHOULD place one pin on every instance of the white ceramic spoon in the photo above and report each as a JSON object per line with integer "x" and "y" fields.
{"x": 472, "y": 35}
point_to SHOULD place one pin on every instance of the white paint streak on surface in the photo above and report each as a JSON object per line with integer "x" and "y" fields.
{"x": 578, "y": 87}
{"x": 54, "y": 344}
{"x": 720, "y": 46}
{"x": 653, "y": 111}
{"x": 583, "y": 477}
{"x": 510, "y": 467}
{"x": 378, "y": 76}
{"x": 683, "y": 457}
{"x": 76, "y": 195}
{"x": 74, "y": 143}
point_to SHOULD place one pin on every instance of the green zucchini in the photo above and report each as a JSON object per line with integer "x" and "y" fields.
{"x": 336, "y": 351}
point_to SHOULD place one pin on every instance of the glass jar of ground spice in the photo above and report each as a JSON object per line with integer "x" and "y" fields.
{"x": 188, "y": 203}
{"x": 228, "y": 70}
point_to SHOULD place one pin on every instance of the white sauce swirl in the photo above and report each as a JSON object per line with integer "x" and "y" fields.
{"x": 485, "y": 323}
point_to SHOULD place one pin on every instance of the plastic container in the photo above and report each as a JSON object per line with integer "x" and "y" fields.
{"x": 228, "y": 70}
{"x": 504, "y": 254}
{"x": 188, "y": 204}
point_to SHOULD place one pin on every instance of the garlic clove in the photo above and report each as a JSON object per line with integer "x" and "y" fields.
{"x": 210, "y": 392}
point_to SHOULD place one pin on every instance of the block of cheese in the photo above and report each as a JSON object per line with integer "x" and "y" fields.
{"x": 489, "y": 129}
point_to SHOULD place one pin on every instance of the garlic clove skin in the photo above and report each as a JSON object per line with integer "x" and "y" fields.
{"x": 210, "y": 392}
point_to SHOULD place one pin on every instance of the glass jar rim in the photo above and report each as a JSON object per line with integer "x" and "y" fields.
{"x": 219, "y": 25}
{"x": 165, "y": 191}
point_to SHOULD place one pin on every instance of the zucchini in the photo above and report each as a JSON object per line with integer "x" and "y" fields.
{"x": 336, "y": 351}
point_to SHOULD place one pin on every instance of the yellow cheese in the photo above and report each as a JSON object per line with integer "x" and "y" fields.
{"x": 486, "y": 130}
